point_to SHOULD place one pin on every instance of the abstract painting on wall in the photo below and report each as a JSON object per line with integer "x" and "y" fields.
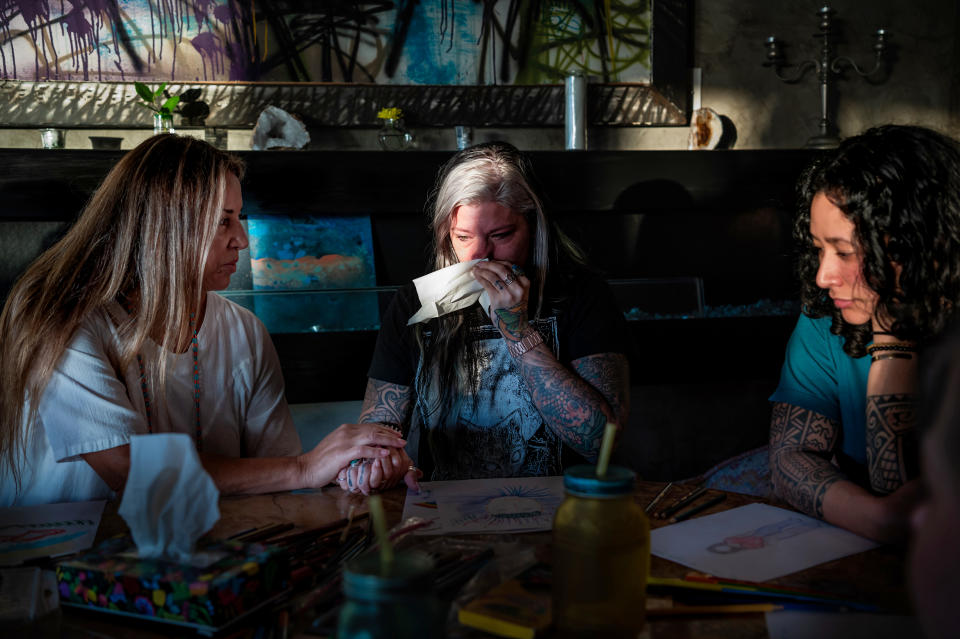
{"x": 421, "y": 42}
{"x": 327, "y": 261}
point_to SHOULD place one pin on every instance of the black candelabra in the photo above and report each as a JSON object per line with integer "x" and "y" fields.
{"x": 827, "y": 66}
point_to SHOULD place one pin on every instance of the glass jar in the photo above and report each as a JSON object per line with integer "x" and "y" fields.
{"x": 162, "y": 123}
{"x": 398, "y": 602}
{"x": 601, "y": 556}
{"x": 51, "y": 138}
{"x": 393, "y": 136}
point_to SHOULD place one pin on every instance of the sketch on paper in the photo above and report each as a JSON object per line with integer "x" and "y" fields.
{"x": 498, "y": 505}
{"x": 405, "y": 42}
{"x": 779, "y": 542}
{"x": 28, "y": 532}
{"x": 766, "y": 535}
{"x": 424, "y": 506}
{"x": 501, "y": 505}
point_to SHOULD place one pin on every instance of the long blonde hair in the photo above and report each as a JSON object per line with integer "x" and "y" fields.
{"x": 142, "y": 239}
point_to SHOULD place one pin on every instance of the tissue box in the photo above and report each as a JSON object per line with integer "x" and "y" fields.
{"x": 109, "y": 578}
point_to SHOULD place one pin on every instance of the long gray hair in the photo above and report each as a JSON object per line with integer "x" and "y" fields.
{"x": 490, "y": 172}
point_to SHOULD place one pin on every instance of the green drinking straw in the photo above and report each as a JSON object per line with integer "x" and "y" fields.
{"x": 605, "y": 448}
{"x": 380, "y": 528}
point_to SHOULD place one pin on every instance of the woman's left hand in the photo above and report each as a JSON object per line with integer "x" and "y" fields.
{"x": 369, "y": 476}
{"x": 508, "y": 289}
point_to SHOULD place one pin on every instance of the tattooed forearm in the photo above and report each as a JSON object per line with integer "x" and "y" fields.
{"x": 386, "y": 402}
{"x": 891, "y": 441}
{"x": 609, "y": 374}
{"x": 801, "y": 444}
{"x": 578, "y": 405}
{"x": 510, "y": 320}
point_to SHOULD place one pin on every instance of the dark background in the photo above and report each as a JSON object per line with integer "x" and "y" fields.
{"x": 699, "y": 384}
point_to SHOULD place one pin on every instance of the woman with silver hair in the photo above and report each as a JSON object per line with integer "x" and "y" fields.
{"x": 521, "y": 388}
{"x": 115, "y": 331}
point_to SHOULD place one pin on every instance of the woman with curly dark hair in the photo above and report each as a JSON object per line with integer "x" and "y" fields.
{"x": 879, "y": 265}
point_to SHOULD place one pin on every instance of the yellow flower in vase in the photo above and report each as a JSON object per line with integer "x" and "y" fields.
{"x": 393, "y": 135}
{"x": 390, "y": 113}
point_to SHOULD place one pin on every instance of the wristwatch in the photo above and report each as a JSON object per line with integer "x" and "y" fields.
{"x": 531, "y": 339}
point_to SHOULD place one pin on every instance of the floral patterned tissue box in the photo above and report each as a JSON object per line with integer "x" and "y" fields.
{"x": 112, "y": 578}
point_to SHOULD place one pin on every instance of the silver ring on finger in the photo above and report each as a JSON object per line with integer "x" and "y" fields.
{"x": 508, "y": 280}
{"x": 498, "y": 284}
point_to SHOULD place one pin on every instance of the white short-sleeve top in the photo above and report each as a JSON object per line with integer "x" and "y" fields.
{"x": 88, "y": 407}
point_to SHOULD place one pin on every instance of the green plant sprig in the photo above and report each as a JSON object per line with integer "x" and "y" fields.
{"x": 157, "y": 101}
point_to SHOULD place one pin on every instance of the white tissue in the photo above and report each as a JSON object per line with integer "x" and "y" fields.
{"x": 277, "y": 128}
{"x": 448, "y": 290}
{"x": 169, "y": 500}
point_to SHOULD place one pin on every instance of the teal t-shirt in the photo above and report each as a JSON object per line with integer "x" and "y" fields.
{"x": 819, "y": 376}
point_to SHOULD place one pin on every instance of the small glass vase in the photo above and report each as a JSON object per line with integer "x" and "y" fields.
{"x": 162, "y": 123}
{"x": 394, "y": 136}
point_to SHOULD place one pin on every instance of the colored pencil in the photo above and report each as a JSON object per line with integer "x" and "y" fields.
{"x": 720, "y": 609}
{"x": 682, "y": 503}
{"x": 264, "y": 533}
{"x": 759, "y": 585}
{"x": 656, "y": 500}
{"x": 698, "y": 508}
{"x": 733, "y": 609}
{"x": 738, "y": 592}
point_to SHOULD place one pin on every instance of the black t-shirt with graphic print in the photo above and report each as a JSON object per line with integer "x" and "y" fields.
{"x": 506, "y": 437}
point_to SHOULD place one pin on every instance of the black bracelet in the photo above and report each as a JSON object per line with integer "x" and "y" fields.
{"x": 877, "y": 358}
{"x": 895, "y": 346}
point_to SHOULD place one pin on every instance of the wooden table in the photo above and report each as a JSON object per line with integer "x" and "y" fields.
{"x": 876, "y": 576}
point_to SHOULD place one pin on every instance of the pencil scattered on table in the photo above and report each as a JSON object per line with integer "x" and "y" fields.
{"x": 718, "y": 592}
{"x": 263, "y": 533}
{"x": 656, "y": 500}
{"x": 698, "y": 508}
{"x": 682, "y": 503}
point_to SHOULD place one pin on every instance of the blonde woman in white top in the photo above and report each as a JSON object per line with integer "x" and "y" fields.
{"x": 114, "y": 332}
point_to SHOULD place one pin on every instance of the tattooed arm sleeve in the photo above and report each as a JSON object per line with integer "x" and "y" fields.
{"x": 386, "y": 402}
{"x": 801, "y": 445}
{"x": 578, "y": 403}
{"x": 891, "y": 441}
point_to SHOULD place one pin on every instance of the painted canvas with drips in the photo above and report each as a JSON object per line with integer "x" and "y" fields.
{"x": 406, "y": 43}
{"x": 324, "y": 260}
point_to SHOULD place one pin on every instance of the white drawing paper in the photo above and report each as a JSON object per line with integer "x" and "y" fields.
{"x": 424, "y": 506}
{"x": 501, "y": 505}
{"x": 27, "y": 532}
{"x": 755, "y": 542}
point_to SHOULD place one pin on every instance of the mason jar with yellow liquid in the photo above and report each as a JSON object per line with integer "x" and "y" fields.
{"x": 601, "y": 556}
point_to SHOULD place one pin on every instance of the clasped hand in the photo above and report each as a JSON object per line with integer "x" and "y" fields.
{"x": 380, "y": 471}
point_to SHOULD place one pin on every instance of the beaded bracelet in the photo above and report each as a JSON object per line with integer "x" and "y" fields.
{"x": 877, "y": 358}
{"x": 905, "y": 347}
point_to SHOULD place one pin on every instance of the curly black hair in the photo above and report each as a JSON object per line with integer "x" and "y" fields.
{"x": 900, "y": 186}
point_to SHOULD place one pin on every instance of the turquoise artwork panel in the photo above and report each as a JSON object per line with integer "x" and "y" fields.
{"x": 309, "y": 273}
